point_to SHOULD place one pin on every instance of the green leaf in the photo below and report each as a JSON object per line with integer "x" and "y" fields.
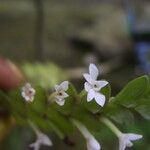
{"x": 18, "y": 106}
{"x": 133, "y": 92}
{"x": 60, "y": 121}
{"x": 119, "y": 114}
{"x": 39, "y": 103}
{"x": 144, "y": 108}
{"x": 87, "y": 118}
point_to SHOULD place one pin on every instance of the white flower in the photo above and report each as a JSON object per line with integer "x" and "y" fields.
{"x": 61, "y": 92}
{"x": 92, "y": 143}
{"x": 28, "y": 92}
{"x": 42, "y": 139}
{"x": 125, "y": 140}
{"x": 93, "y": 86}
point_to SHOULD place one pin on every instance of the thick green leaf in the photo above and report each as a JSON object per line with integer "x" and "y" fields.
{"x": 18, "y": 106}
{"x": 133, "y": 92}
{"x": 87, "y": 118}
{"x": 39, "y": 104}
{"x": 143, "y": 107}
{"x": 60, "y": 121}
{"x": 119, "y": 114}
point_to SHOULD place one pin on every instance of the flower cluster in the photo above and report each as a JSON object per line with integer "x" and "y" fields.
{"x": 93, "y": 87}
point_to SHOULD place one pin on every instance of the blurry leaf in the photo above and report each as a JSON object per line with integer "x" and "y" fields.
{"x": 133, "y": 92}
{"x": 46, "y": 75}
{"x": 92, "y": 105}
{"x": 18, "y": 106}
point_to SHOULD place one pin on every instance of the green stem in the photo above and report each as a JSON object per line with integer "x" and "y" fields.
{"x": 81, "y": 128}
{"x": 111, "y": 126}
{"x": 34, "y": 128}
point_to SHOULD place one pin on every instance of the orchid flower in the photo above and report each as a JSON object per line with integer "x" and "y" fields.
{"x": 61, "y": 93}
{"x": 28, "y": 92}
{"x": 92, "y": 143}
{"x": 93, "y": 86}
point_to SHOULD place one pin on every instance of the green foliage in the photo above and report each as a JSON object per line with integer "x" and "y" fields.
{"x": 48, "y": 116}
{"x": 45, "y": 75}
{"x": 133, "y": 92}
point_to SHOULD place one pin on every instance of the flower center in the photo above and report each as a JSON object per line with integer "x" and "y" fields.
{"x": 60, "y": 93}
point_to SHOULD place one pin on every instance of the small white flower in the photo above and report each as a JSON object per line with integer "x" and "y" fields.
{"x": 61, "y": 92}
{"x": 28, "y": 92}
{"x": 42, "y": 139}
{"x": 92, "y": 143}
{"x": 93, "y": 86}
{"x": 125, "y": 140}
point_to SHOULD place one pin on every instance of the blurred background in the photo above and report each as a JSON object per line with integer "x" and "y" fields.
{"x": 53, "y": 40}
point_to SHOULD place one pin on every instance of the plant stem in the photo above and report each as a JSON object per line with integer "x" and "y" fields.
{"x": 111, "y": 126}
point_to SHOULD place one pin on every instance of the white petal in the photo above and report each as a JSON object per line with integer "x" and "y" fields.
{"x": 125, "y": 140}
{"x": 134, "y": 137}
{"x": 88, "y": 78}
{"x": 93, "y": 71}
{"x": 100, "y": 99}
{"x": 122, "y": 145}
{"x": 35, "y": 146}
{"x": 91, "y": 95}
{"x": 87, "y": 86}
{"x": 102, "y": 83}
{"x": 60, "y": 102}
{"x": 45, "y": 140}
{"x": 92, "y": 144}
{"x": 57, "y": 87}
{"x": 64, "y": 85}
{"x": 65, "y": 95}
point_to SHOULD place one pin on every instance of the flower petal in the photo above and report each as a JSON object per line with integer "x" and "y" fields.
{"x": 60, "y": 102}
{"x": 134, "y": 137}
{"x": 88, "y": 78}
{"x": 92, "y": 144}
{"x": 64, "y": 85}
{"x": 91, "y": 95}
{"x": 100, "y": 99}
{"x": 87, "y": 86}
{"x": 122, "y": 145}
{"x": 93, "y": 71}
{"x": 35, "y": 146}
{"x": 57, "y": 87}
{"x": 102, "y": 83}
{"x": 65, "y": 95}
{"x": 45, "y": 140}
